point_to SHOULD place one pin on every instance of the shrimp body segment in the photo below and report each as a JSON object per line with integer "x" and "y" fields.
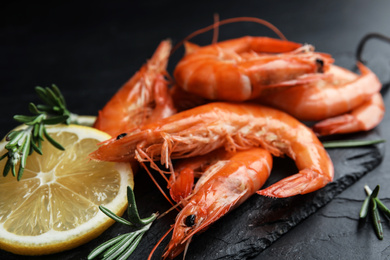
{"x": 143, "y": 98}
{"x": 337, "y": 93}
{"x": 239, "y": 69}
{"x": 200, "y": 130}
{"x": 363, "y": 118}
{"x": 222, "y": 187}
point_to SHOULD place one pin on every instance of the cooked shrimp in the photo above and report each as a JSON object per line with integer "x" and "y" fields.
{"x": 239, "y": 69}
{"x": 144, "y": 98}
{"x": 363, "y": 118}
{"x": 224, "y": 186}
{"x": 331, "y": 96}
{"x": 205, "y": 128}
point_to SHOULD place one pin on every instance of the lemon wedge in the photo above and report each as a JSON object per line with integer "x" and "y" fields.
{"x": 54, "y": 207}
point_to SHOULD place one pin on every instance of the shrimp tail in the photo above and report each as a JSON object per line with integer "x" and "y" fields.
{"x": 363, "y": 118}
{"x": 305, "y": 181}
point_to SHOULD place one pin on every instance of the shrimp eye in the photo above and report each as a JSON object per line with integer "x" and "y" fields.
{"x": 320, "y": 64}
{"x": 121, "y": 136}
{"x": 190, "y": 220}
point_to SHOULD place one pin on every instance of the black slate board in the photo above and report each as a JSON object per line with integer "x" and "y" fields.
{"x": 255, "y": 225}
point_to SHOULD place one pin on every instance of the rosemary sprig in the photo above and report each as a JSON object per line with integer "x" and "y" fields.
{"x": 121, "y": 247}
{"x": 351, "y": 143}
{"x": 25, "y": 141}
{"x": 374, "y": 204}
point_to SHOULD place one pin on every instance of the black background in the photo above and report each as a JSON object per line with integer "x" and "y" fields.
{"x": 90, "y": 50}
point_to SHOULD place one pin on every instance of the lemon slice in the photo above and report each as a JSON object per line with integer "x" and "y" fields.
{"x": 54, "y": 207}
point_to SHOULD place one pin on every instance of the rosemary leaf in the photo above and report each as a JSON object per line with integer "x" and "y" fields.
{"x": 364, "y": 209}
{"x": 58, "y": 93}
{"x": 7, "y": 167}
{"x": 100, "y": 249}
{"x": 33, "y": 109}
{"x": 130, "y": 250}
{"x": 25, "y": 150}
{"x": 119, "y": 247}
{"x": 351, "y": 143}
{"x": 45, "y": 108}
{"x": 11, "y": 135}
{"x": 36, "y": 130}
{"x": 36, "y": 148}
{"x": 20, "y": 173}
{"x": 22, "y": 140}
{"x": 52, "y": 141}
{"x": 40, "y": 133}
{"x": 376, "y": 220}
{"x": 375, "y": 192}
{"x": 114, "y": 217}
{"x": 43, "y": 95}
{"x": 3, "y": 156}
{"x": 133, "y": 212}
{"x": 52, "y": 96}
{"x": 13, "y": 169}
{"x": 382, "y": 208}
{"x": 39, "y": 141}
{"x": 55, "y": 120}
{"x": 24, "y": 119}
{"x": 37, "y": 120}
{"x": 123, "y": 246}
{"x": 16, "y": 137}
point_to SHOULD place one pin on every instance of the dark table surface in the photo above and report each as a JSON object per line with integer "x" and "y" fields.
{"x": 89, "y": 51}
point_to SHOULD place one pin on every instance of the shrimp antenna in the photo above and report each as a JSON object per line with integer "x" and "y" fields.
{"x": 186, "y": 248}
{"x": 365, "y": 39}
{"x": 216, "y": 28}
{"x": 159, "y": 242}
{"x": 155, "y": 182}
{"x": 175, "y": 206}
{"x": 227, "y": 21}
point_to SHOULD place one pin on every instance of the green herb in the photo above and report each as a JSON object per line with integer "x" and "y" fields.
{"x": 351, "y": 143}
{"x": 373, "y": 203}
{"x": 121, "y": 247}
{"x": 25, "y": 141}
{"x": 376, "y": 220}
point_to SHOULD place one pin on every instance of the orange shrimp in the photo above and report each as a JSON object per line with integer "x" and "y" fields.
{"x": 144, "y": 98}
{"x": 203, "y": 129}
{"x": 338, "y": 93}
{"x": 363, "y": 118}
{"x": 239, "y": 69}
{"x": 224, "y": 186}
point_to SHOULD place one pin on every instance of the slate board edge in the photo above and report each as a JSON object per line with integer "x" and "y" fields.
{"x": 331, "y": 190}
